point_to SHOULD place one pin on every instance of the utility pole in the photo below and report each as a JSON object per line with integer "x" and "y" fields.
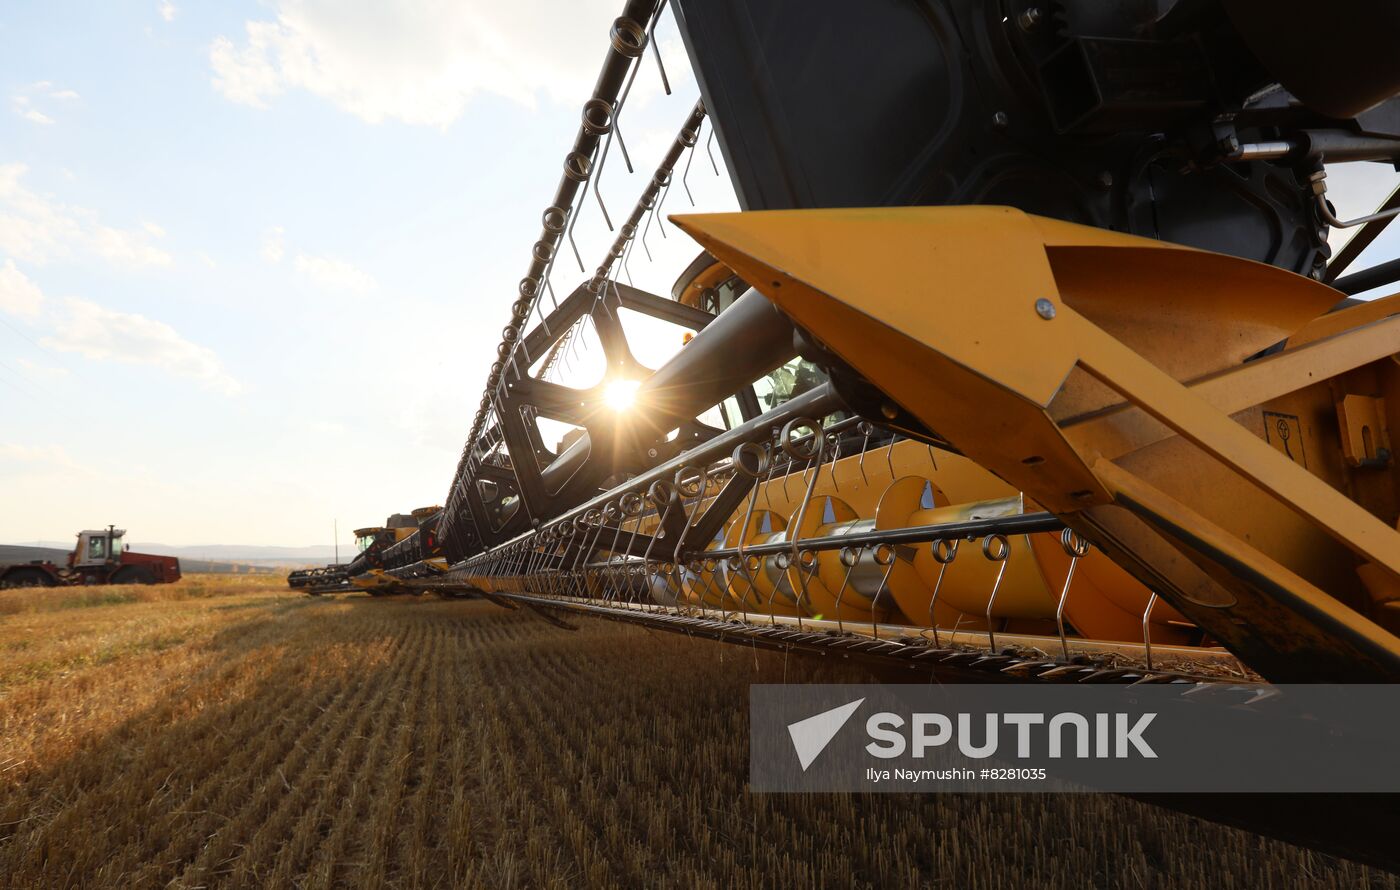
{"x": 336, "y": 533}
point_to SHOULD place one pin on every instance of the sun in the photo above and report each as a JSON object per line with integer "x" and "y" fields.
{"x": 621, "y": 394}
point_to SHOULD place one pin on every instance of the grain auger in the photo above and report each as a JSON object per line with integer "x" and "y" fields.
{"x": 815, "y": 530}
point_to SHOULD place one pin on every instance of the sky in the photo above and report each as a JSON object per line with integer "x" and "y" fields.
{"x": 255, "y": 258}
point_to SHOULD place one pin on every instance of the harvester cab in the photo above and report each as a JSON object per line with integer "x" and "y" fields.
{"x": 374, "y": 540}
{"x": 708, "y": 285}
{"x": 365, "y": 537}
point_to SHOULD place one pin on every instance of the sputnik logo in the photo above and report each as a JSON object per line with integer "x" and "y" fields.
{"x": 811, "y": 736}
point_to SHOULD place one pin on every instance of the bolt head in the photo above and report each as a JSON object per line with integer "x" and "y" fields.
{"x": 1045, "y": 309}
{"x": 1000, "y": 120}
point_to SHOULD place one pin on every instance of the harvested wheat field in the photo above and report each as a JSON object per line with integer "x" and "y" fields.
{"x": 230, "y": 733}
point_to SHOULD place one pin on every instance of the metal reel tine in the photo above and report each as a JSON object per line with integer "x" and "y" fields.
{"x": 1147, "y": 629}
{"x": 627, "y": 255}
{"x": 996, "y": 548}
{"x": 685, "y": 174}
{"x": 646, "y": 229}
{"x": 651, "y": 38}
{"x": 661, "y": 223}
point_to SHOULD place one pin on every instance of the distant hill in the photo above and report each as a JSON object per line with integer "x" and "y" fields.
{"x": 246, "y": 553}
{"x": 30, "y": 553}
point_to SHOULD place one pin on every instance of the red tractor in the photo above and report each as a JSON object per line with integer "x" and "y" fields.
{"x": 98, "y": 558}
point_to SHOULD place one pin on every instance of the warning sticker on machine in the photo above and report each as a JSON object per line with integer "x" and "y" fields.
{"x": 1285, "y": 433}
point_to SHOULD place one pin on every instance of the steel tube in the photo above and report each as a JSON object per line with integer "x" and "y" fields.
{"x": 1025, "y": 524}
{"x": 745, "y": 341}
{"x": 1377, "y": 276}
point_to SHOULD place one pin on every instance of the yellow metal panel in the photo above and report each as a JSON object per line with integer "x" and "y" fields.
{"x": 940, "y": 287}
{"x": 1346, "y": 319}
{"x": 1365, "y": 438}
{"x": 1289, "y": 590}
{"x": 1125, "y": 428}
{"x": 1197, "y": 421}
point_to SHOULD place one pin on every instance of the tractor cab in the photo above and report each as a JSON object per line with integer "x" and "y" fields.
{"x": 97, "y": 547}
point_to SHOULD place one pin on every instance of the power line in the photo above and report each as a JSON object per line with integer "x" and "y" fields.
{"x": 18, "y": 331}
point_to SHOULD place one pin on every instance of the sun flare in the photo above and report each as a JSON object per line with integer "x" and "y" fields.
{"x": 620, "y": 395}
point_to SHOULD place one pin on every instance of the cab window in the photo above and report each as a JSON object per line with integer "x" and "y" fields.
{"x": 782, "y": 384}
{"x": 97, "y": 548}
{"x": 720, "y": 297}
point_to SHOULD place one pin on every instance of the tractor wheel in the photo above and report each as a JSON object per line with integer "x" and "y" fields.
{"x": 134, "y": 575}
{"x": 27, "y": 578}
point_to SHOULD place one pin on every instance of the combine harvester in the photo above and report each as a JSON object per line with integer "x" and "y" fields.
{"x": 404, "y": 547}
{"x": 1029, "y": 358}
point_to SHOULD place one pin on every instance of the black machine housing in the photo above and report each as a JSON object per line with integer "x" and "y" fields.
{"x": 1140, "y": 116}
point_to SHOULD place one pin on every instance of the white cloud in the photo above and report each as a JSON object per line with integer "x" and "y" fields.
{"x": 331, "y": 273}
{"x": 168, "y": 11}
{"x": 23, "y": 100}
{"x": 97, "y": 332}
{"x": 274, "y": 247}
{"x": 127, "y": 246}
{"x": 44, "y": 372}
{"x": 19, "y": 295}
{"x": 44, "y": 455}
{"x": 108, "y": 335}
{"x": 36, "y": 228}
{"x": 418, "y": 61}
{"x": 334, "y": 274}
